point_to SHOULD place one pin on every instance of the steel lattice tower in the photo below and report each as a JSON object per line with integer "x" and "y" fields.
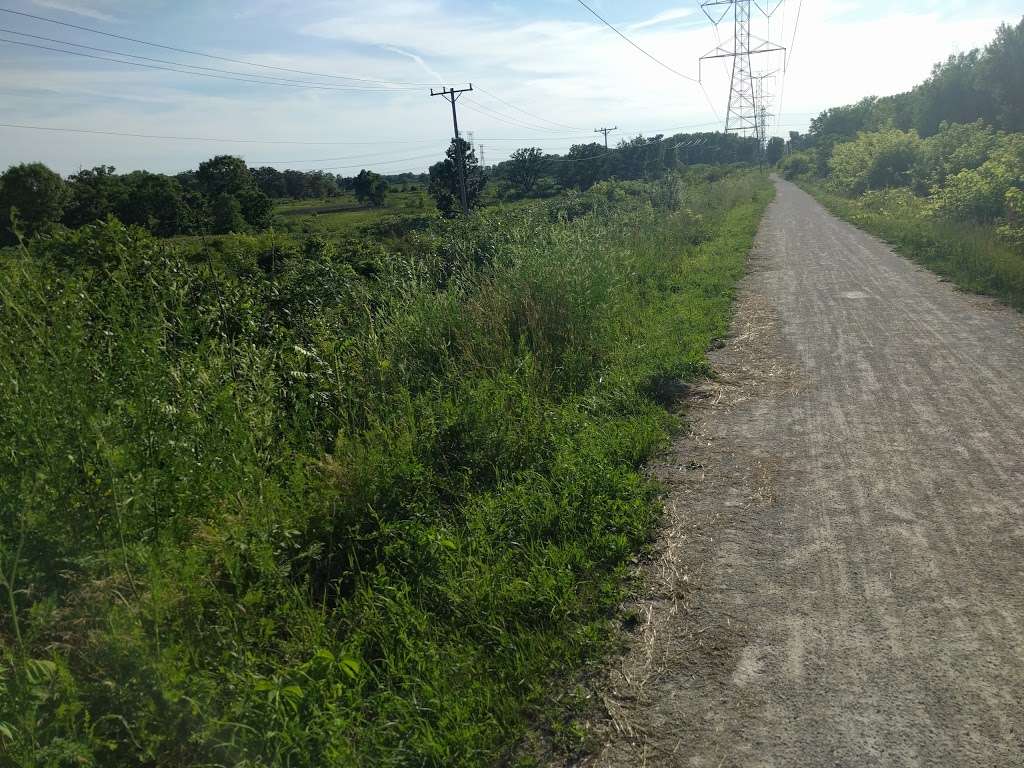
{"x": 746, "y": 112}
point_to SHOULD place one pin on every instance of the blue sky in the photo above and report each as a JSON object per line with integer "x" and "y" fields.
{"x": 549, "y": 59}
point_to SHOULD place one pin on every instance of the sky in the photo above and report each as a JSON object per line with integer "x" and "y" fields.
{"x": 545, "y": 73}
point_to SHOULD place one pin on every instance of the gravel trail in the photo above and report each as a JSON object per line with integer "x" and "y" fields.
{"x": 841, "y": 577}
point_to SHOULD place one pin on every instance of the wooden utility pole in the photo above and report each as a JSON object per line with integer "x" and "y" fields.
{"x": 606, "y": 131}
{"x": 452, "y": 95}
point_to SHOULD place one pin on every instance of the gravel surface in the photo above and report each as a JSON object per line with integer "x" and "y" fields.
{"x": 841, "y": 577}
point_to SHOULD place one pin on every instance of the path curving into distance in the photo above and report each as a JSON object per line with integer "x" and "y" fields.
{"x": 841, "y": 578}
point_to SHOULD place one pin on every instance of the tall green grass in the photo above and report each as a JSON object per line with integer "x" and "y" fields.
{"x": 263, "y": 505}
{"x": 973, "y": 256}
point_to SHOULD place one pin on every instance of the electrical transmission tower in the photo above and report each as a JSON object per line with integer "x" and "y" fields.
{"x": 606, "y": 131}
{"x": 452, "y": 95}
{"x": 745, "y": 111}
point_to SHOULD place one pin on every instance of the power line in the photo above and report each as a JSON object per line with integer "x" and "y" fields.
{"x": 205, "y": 55}
{"x": 504, "y": 117}
{"x": 657, "y": 61}
{"x": 785, "y": 63}
{"x": 194, "y": 74}
{"x": 323, "y": 159}
{"x": 382, "y": 162}
{"x": 16, "y": 126}
{"x": 531, "y": 114}
{"x": 270, "y": 79}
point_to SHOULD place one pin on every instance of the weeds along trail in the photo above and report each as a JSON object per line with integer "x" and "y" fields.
{"x": 353, "y": 503}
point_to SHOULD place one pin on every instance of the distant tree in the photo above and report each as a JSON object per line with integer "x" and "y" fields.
{"x": 444, "y": 179}
{"x": 36, "y": 193}
{"x": 1002, "y": 73}
{"x": 524, "y": 168}
{"x": 370, "y": 188}
{"x": 270, "y": 181}
{"x": 775, "y": 149}
{"x": 156, "y": 202}
{"x": 227, "y": 216}
{"x": 295, "y": 184}
{"x": 93, "y": 195}
{"x": 256, "y": 207}
{"x": 952, "y": 94}
{"x": 583, "y": 166}
{"x": 224, "y": 174}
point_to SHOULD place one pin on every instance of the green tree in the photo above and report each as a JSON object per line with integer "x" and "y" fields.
{"x": 270, "y": 181}
{"x": 444, "y": 179}
{"x": 227, "y": 215}
{"x": 36, "y": 194}
{"x": 156, "y": 202}
{"x": 256, "y": 207}
{"x": 1002, "y": 73}
{"x": 774, "y": 150}
{"x": 93, "y": 195}
{"x": 583, "y": 166}
{"x": 524, "y": 168}
{"x": 370, "y": 188}
{"x": 223, "y": 174}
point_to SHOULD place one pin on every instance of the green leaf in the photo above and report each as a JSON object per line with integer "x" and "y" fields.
{"x": 350, "y": 666}
{"x": 40, "y": 670}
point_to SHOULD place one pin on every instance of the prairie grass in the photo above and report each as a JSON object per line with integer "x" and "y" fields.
{"x": 337, "y": 504}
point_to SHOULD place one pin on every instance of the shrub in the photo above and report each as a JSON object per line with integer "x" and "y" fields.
{"x": 875, "y": 161}
{"x": 797, "y": 165}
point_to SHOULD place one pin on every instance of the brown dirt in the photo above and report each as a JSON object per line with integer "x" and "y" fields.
{"x": 841, "y": 577}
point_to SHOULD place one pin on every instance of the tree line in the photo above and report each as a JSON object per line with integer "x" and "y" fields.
{"x": 951, "y": 149}
{"x": 531, "y": 171}
{"x": 222, "y": 195}
{"x": 983, "y": 84}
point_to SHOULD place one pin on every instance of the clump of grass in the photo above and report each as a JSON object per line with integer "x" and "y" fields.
{"x": 268, "y": 505}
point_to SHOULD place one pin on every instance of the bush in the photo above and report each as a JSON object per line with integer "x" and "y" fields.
{"x": 797, "y": 165}
{"x": 876, "y": 160}
{"x": 981, "y": 194}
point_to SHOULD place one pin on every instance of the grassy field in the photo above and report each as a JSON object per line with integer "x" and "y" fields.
{"x": 345, "y": 215}
{"x": 971, "y": 255}
{"x": 317, "y": 501}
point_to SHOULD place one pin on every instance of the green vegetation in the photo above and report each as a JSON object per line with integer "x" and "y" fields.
{"x": 947, "y": 194}
{"x": 285, "y": 501}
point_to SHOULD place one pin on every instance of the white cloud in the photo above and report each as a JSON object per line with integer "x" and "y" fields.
{"x": 664, "y": 17}
{"x": 419, "y": 61}
{"x": 76, "y": 8}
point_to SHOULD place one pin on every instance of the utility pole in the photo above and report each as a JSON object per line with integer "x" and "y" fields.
{"x": 452, "y": 95}
{"x": 743, "y": 115}
{"x": 606, "y": 131}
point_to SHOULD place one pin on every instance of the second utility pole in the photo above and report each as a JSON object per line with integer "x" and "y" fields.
{"x": 606, "y": 131}
{"x": 452, "y": 95}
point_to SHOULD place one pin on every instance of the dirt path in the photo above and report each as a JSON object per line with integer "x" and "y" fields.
{"x": 841, "y": 582}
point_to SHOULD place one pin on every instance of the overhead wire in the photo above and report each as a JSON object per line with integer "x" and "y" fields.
{"x": 530, "y": 114}
{"x": 232, "y": 73}
{"x": 162, "y": 137}
{"x": 197, "y": 74}
{"x": 243, "y": 62}
{"x": 653, "y": 58}
{"x": 475, "y": 106}
{"x": 785, "y": 66}
{"x": 656, "y": 60}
